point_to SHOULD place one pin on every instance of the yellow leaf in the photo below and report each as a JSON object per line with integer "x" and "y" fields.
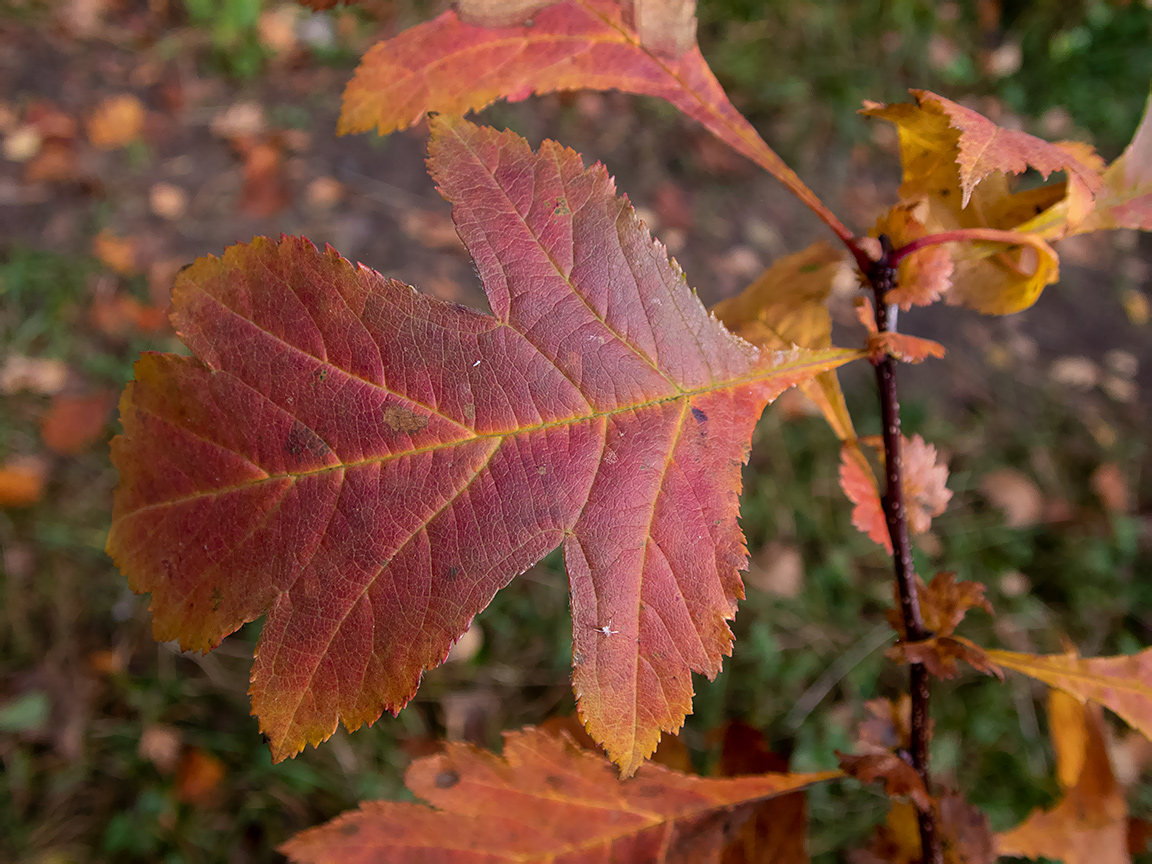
{"x": 786, "y": 306}
{"x": 1122, "y": 684}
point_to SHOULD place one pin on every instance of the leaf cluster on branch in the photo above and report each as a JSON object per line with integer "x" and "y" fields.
{"x": 366, "y": 465}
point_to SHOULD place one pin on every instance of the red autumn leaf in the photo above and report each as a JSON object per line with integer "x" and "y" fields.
{"x": 925, "y": 492}
{"x": 370, "y": 465}
{"x": 449, "y": 66}
{"x": 1089, "y": 825}
{"x": 198, "y": 777}
{"x": 899, "y": 777}
{"x": 542, "y": 800}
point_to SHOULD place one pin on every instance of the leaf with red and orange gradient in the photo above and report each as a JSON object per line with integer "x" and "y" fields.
{"x": 788, "y": 305}
{"x": 926, "y": 494}
{"x": 1124, "y": 202}
{"x": 923, "y": 276}
{"x": 1122, "y": 684}
{"x": 369, "y": 465}
{"x": 1090, "y": 823}
{"x": 956, "y": 166}
{"x": 449, "y": 66}
{"x": 543, "y": 800}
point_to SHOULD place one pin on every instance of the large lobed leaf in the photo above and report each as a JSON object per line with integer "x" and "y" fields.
{"x": 544, "y": 800}
{"x": 451, "y": 66}
{"x": 369, "y": 465}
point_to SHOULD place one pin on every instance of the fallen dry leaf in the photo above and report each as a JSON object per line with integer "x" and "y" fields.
{"x": 74, "y": 422}
{"x": 22, "y": 480}
{"x": 116, "y": 122}
{"x": 38, "y": 374}
{"x": 117, "y": 253}
{"x": 1013, "y": 492}
{"x": 168, "y": 201}
{"x": 198, "y": 776}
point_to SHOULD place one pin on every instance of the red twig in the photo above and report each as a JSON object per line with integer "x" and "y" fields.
{"x": 882, "y": 277}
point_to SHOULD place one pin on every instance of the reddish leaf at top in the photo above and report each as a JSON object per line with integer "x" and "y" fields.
{"x": 544, "y": 800}
{"x": 449, "y": 66}
{"x": 369, "y": 465}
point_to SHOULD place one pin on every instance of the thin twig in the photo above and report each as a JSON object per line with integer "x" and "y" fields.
{"x": 882, "y": 277}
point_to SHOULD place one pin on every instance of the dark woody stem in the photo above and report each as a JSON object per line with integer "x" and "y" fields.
{"x": 882, "y": 277}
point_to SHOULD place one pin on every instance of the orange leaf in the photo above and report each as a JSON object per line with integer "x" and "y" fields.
{"x": 899, "y": 777}
{"x": 925, "y": 492}
{"x": 1090, "y": 823}
{"x": 116, "y": 122}
{"x": 22, "y": 481}
{"x": 117, "y": 253}
{"x": 1122, "y": 684}
{"x": 543, "y": 800}
{"x": 198, "y": 777}
{"x": 451, "y": 67}
{"x": 74, "y": 422}
{"x": 924, "y": 276}
{"x": 944, "y": 602}
{"x": 909, "y": 349}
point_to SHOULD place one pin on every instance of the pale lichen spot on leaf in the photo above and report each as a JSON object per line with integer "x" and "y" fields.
{"x": 400, "y": 419}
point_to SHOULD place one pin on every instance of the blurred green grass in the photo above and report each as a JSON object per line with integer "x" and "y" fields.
{"x": 76, "y": 785}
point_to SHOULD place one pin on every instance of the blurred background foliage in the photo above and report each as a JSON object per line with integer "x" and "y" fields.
{"x": 118, "y": 749}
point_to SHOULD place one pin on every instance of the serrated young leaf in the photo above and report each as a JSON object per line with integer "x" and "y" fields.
{"x": 926, "y": 494}
{"x": 451, "y": 67}
{"x": 543, "y": 800}
{"x": 370, "y": 465}
{"x": 924, "y": 276}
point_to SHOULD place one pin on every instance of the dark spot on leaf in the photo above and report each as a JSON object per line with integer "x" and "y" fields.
{"x": 217, "y": 598}
{"x": 319, "y": 376}
{"x": 578, "y": 658}
{"x": 554, "y": 781}
{"x": 302, "y": 440}
{"x": 350, "y": 829}
{"x": 264, "y": 737}
{"x": 649, "y": 791}
{"x": 561, "y": 208}
{"x": 451, "y": 573}
{"x": 944, "y": 193}
{"x": 700, "y": 416}
{"x": 401, "y": 419}
{"x": 447, "y": 779}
